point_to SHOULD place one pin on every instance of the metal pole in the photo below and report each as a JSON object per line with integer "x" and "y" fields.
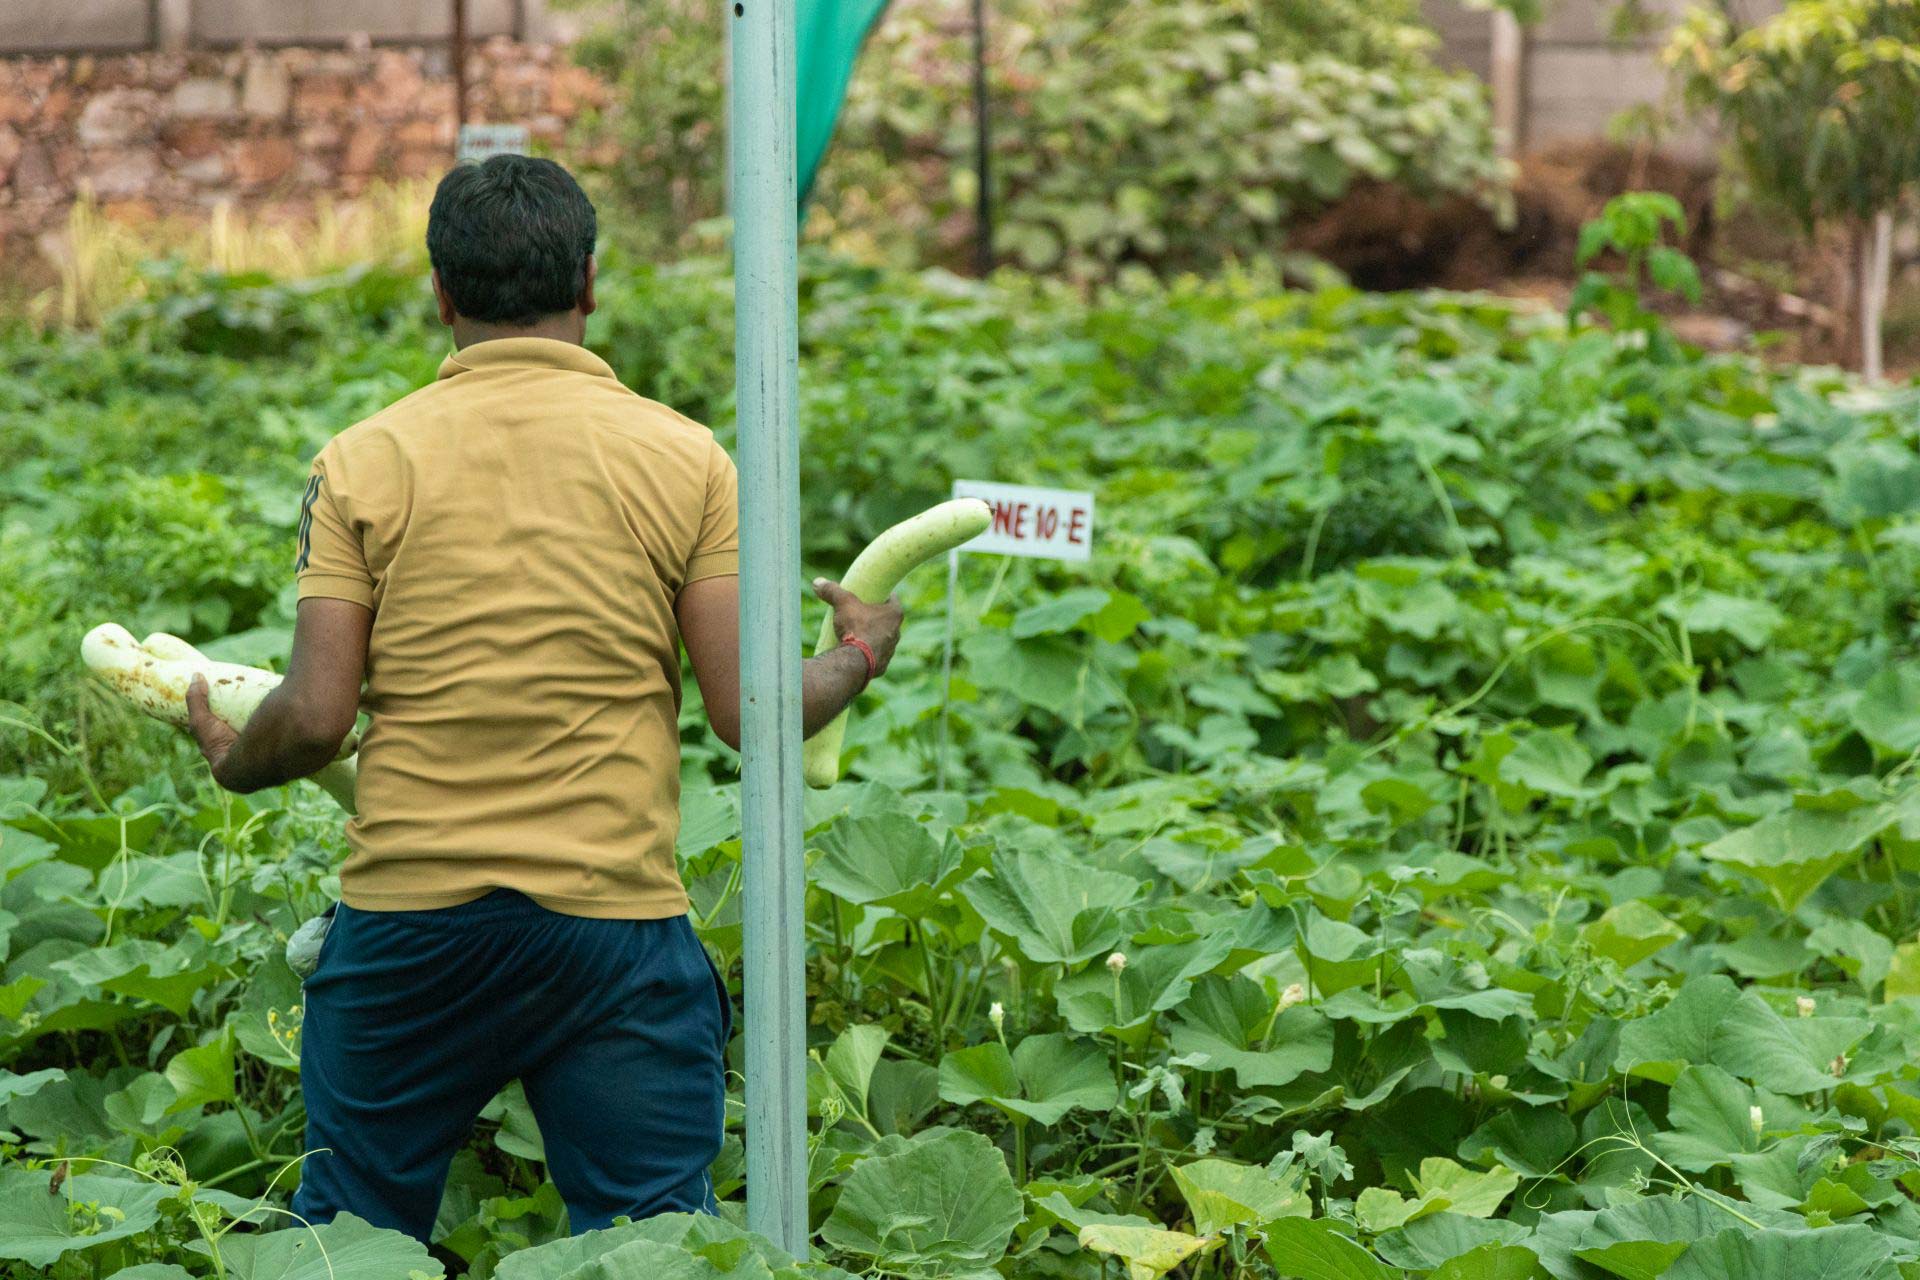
{"x": 458, "y": 53}
{"x": 726, "y": 115}
{"x": 766, "y": 370}
{"x": 982, "y": 147}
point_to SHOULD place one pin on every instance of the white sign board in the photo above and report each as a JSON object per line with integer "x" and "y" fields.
{"x": 481, "y": 141}
{"x": 1049, "y": 524}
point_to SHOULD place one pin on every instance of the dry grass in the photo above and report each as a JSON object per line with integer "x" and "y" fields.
{"x": 99, "y": 261}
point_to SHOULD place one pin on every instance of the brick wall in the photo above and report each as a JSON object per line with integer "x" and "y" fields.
{"x": 151, "y": 134}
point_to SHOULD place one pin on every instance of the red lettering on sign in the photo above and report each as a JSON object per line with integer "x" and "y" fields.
{"x": 1074, "y": 523}
{"x": 1020, "y": 520}
{"x": 1003, "y": 517}
{"x": 1049, "y": 522}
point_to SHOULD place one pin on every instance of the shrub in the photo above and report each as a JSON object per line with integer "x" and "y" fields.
{"x": 1172, "y": 134}
{"x": 1821, "y": 105}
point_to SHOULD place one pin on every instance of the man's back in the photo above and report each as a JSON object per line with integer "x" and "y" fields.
{"x": 521, "y": 529}
{"x": 510, "y": 560}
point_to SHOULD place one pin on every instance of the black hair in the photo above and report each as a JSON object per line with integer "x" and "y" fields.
{"x": 510, "y": 237}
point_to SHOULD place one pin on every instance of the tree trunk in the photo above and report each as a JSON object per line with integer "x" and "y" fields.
{"x": 1509, "y": 83}
{"x": 1875, "y": 255}
{"x": 457, "y": 53}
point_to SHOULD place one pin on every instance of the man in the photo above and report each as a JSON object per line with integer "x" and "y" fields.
{"x": 510, "y": 557}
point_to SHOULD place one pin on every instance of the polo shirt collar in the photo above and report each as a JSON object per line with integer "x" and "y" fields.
{"x": 525, "y": 353}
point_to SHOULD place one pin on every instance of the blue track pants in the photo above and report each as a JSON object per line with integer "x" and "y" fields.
{"x": 416, "y": 1019}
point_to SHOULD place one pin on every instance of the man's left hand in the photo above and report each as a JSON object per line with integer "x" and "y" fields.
{"x": 215, "y": 736}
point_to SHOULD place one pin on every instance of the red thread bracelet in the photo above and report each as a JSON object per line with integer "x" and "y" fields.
{"x": 866, "y": 651}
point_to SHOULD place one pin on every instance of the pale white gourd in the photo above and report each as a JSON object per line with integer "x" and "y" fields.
{"x": 339, "y": 780}
{"x": 872, "y": 576}
{"x": 153, "y": 676}
{"x": 162, "y": 645}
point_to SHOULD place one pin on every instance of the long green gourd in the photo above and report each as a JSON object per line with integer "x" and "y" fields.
{"x": 153, "y": 675}
{"x": 872, "y": 576}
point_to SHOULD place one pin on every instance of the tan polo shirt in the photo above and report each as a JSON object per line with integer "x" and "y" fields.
{"x": 520, "y": 529}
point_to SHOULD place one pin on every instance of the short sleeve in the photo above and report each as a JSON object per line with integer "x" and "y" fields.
{"x": 331, "y": 561}
{"x": 716, "y": 552}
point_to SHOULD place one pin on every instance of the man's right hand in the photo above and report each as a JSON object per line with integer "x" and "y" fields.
{"x": 708, "y": 611}
{"x": 876, "y": 625}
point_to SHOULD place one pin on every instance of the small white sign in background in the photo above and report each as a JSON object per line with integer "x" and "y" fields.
{"x": 483, "y": 141}
{"x": 1049, "y": 524}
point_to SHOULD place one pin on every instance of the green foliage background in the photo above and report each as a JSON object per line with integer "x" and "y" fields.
{"x": 1166, "y": 135}
{"x": 1490, "y": 747}
{"x": 1819, "y": 103}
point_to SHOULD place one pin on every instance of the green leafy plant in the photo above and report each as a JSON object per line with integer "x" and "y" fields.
{"x": 1168, "y": 135}
{"x": 1634, "y": 226}
{"x": 1462, "y": 822}
{"x": 1819, "y": 103}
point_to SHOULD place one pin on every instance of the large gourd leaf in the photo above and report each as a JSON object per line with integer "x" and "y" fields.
{"x": 1634, "y": 1259}
{"x": 851, "y": 1061}
{"x": 901, "y": 1093}
{"x": 1793, "y": 852}
{"x": 24, "y": 1086}
{"x": 886, "y": 859}
{"x": 169, "y": 880}
{"x": 1548, "y": 763}
{"x": 1631, "y": 932}
{"x": 1888, "y": 713}
{"x": 1232, "y": 1021}
{"x": 347, "y": 1246}
{"x": 1425, "y": 1243}
{"x": 1054, "y": 910}
{"x": 1098, "y": 1001}
{"x": 146, "y": 970}
{"x": 1492, "y": 1262}
{"x": 1750, "y": 622}
{"x": 1532, "y": 1141}
{"x": 519, "y": 1131}
{"x": 70, "y": 1112}
{"x": 1661, "y": 1045}
{"x": 1476, "y": 1193}
{"x": 38, "y": 1225}
{"x": 1834, "y": 1253}
{"x": 1222, "y": 1194}
{"x": 1786, "y": 1055}
{"x": 1043, "y": 1079}
{"x": 1637, "y": 1240}
{"x": 203, "y": 1074}
{"x": 692, "y": 1260}
{"x": 1710, "y": 1115}
{"x": 1149, "y": 1252}
{"x": 142, "y": 1109}
{"x": 716, "y": 1261}
{"x": 1440, "y": 1185}
{"x": 1058, "y": 613}
{"x": 1310, "y": 1249}
{"x": 672, "y": 1246}
{"x": 939, "y": 1203}
{"x": 657, "y": 1261}
{"x": 267, "y": 1022}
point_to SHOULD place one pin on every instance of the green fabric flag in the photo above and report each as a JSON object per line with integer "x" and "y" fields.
{"x": 827, "y": 39}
